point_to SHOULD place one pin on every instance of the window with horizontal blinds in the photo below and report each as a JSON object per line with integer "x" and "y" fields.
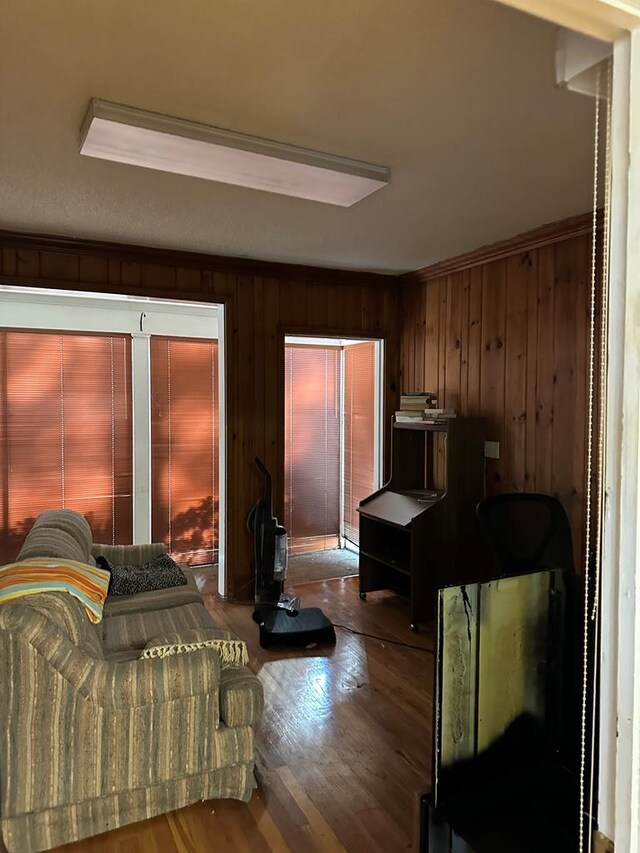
{"x": 65, "y": 432}
{"x": 359, "y": 432}
{"x": 184, "y": 447}
{"x": 312, "y": 446}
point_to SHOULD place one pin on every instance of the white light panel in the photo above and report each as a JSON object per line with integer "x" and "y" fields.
{"x": 153, "y": 141}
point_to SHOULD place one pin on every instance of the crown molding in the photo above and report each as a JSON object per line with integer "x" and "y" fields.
{"x": 555, "y": 232}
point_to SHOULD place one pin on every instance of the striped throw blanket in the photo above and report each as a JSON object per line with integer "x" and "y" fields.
{"x": 88, "y": 584}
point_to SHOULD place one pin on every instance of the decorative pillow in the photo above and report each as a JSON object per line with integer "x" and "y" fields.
{"x": 158, "y": 573}
{"x": 232, "y": 652}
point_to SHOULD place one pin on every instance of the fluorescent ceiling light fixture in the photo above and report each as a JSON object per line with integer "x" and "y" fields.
{"x": 154, "y": 141}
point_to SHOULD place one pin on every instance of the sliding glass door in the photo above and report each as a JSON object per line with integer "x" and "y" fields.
{"x": 102, "y": 411}
{"x": 184, "y": 448}
{"x": 65, "y": 432}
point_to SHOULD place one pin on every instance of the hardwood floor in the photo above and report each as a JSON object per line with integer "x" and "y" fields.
{"x": 343, "y": 746}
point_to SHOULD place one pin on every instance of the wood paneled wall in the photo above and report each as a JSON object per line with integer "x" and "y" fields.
{"x": 503, "y": 334}
{"x": 263, "y": 302}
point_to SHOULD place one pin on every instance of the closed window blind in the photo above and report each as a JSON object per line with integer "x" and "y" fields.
{"x": 359, "y": 437}
{"x": 312, "y": 446}
{"x": 184, "y": 447}
{"x": 65, "y": 433}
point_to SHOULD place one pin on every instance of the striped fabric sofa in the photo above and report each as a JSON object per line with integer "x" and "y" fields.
{"x": 93, "y": 737}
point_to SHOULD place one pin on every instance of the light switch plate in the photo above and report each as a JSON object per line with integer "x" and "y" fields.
{"x": 492, "y": 449}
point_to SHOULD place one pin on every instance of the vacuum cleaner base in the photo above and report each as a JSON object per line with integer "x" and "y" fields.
{"x": 308, "y": 627}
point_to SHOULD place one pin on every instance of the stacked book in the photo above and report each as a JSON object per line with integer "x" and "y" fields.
{"x": 422, "y": 406}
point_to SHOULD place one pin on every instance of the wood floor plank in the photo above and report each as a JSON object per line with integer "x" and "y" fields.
{"x": 323, "y": 835}
{"x": 267, "y": 825}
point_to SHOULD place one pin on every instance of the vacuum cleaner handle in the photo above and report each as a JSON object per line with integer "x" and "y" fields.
{"x": 267, "y": 485}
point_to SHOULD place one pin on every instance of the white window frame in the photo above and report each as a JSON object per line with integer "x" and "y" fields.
{"x": 141, "y": 318}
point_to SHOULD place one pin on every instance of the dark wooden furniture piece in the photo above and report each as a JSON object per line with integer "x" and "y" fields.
{"x": 420, "y": 531}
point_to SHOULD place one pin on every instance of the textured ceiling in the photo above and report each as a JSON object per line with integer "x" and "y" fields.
{"x": 456, "y": 97}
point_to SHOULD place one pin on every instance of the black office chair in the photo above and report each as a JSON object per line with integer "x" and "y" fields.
{"x": 527, "y": 532}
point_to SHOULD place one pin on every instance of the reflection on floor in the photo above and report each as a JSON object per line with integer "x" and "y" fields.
{"x": 322, "y": 565}
{"x": 206, "y": 579}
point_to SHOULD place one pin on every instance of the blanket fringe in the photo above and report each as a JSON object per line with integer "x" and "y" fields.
{"x": 232, "y": 652}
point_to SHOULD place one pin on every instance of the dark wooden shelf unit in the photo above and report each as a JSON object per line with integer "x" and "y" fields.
{"x": 420, "y": 532}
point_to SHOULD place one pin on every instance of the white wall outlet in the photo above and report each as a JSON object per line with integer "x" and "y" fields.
{"x": 492, "y": 449}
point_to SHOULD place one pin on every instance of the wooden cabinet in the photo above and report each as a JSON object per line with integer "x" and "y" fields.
{"x": 420, "y": 531}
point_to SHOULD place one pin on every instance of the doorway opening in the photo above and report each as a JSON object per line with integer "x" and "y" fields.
{"x": 333, "y": 450}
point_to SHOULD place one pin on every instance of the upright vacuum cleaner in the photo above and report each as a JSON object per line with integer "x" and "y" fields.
{"x": 279, "y": 616}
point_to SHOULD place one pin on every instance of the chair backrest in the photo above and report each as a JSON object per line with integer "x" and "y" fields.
{"x": 527, "y": 531}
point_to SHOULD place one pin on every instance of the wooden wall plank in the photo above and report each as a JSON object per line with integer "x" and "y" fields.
{"x": 474, "y": 357}
{"x": 273, "y": 448}
{"x": 188, "y": 279}
{"x": 432, "y": 336}
{"x": 130, "y": 274}
{"x": 94, "y": 270}
{"x": 545, "y": 370}
{"x": 335, "y": 306}
{"x": 247, "y": 478}
{"x": 408, "y": 370}
{"x": 158, "y": 276}
{"x": 351, "y": 309}
{"x": 420, "y": 323}
{"x": 294, "y": 304}
{"x": 492, "y": 369}
{"x": 318, "y": 305}
{"x": 392, "y": 320}
{"x": 28, "y": 263}
{"x": 568, "y": 421}
{"x": 582, "y": 315}
{"x": 453, "y": 342}
{"x": 372, "y": 309}
{"x": 464, "y": 343}
{"x": 519, "y": 269}
{"x": 442, "y": 340}
{"x": 532, "y": 374}
{"x": 226, "y": 284}
{"x": 259, "y": 384}
{"x": 60, "y": 267}
{"x": 115, "y": 272}
{"x": 9, "y": 261}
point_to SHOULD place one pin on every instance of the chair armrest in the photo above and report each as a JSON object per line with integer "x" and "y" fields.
{"x": 114, "y": 685}
{"x": 129, "y": 555}
{"x": 149, "y": 681}
{"x": 241, "y": 696}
